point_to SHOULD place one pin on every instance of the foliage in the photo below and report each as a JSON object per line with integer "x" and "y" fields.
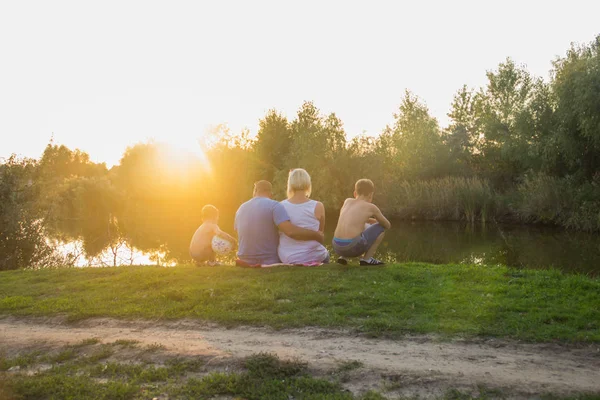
{"x": 519, "y": 148}
{"x": 417, "y": 143}
{"x": 58, "y": 162}
{"x": 452, "y": 198}
{"x": 463, "y": 136}
{"x": 576, "y": 86}
{"x": 317, "y": 144}
{"x": 272, "y": 144}
{"x": 22, "y": 231}
{"x": 547, "y": 199}
{"x": 86, "y": 209}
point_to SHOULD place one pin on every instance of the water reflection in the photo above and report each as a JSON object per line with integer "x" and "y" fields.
{"x": 118, "y": 256}
{"x": 517, "y": 246}
{"x": 433, "y": 242}
{"x": 520, "y": 246}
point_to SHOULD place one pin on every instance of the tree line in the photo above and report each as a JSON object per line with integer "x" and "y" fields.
{"x": 520, "y": 148}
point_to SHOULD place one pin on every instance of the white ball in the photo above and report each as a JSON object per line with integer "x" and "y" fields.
{"x": 220, "y": 245}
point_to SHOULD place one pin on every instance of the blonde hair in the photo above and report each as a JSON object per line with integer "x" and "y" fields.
{"x": 298, "y": 180}
{"x": 209, "y": 211}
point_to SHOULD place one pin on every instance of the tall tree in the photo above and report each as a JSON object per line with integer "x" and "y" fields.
{"x": 417, "y": 140}
{"x": 508, "y": 121}
{"x": 22, "y": 230}
{"x": 462, "y": 136}
{"x": 59, "y": 162}
{"x": 272, "y": 144}
{"x": 318, "y": 145}
{"x": 576, "y": 85}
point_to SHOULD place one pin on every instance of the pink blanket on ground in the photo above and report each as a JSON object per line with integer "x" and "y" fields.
{"x": 244, "y": 264}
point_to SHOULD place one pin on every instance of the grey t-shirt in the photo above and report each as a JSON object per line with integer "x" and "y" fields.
{"x": 256, "y": 224}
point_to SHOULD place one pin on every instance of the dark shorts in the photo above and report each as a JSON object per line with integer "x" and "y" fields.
{"x": 360, "y": 244}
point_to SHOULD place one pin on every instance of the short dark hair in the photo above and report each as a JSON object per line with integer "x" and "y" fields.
{"x": 263, "y": 187}
{"x": 364, "y": 187}
{"x": 209, "y": 211}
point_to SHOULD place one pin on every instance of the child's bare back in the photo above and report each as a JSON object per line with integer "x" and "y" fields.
{"x": 351, "y": 239}
{"x": 201, "y": 245}
{"x": 354, "y": 215}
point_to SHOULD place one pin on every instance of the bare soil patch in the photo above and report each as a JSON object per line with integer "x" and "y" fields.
{"x": 423, "y": 365}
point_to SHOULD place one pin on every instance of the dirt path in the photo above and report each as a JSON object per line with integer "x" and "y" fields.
{"x": 419, "y": 362}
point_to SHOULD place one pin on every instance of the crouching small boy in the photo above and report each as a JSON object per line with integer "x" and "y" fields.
{"x": 201, "y": 249}
{"x": 351, "y": 239}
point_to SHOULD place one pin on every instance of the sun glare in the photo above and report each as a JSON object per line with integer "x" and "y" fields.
{"x": 185, "y": 156}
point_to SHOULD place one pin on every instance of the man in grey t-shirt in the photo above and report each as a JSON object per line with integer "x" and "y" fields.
{"x": 258, "y": 222}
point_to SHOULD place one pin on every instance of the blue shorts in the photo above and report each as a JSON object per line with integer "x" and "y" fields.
{"x": 360, "y": 244}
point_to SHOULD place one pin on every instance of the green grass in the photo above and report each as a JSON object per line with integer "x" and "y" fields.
{"x": 261, "y": 376}
{"x": 87, "y": 342}
{"x": 264, "y": 377}
{"x": 343, "y": 372}
{"x": 126, "y": 343}
{"x": 21, "y": 361}
{"x": 465, "y": 300}
{"x": 154, "y": 347}
{"x": 348, "y": 366}
{"x": 265, "y": 365}
{"x": 104, "y": 352}
{"x": 63, "y": 356}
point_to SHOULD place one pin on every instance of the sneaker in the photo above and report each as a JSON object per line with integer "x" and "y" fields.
{"x": 372, "y": 261}
{"x": 342, "y": 260}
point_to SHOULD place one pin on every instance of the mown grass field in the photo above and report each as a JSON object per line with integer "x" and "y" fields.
{"x": 398, "y": 299}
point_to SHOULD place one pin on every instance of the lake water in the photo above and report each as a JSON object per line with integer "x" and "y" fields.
{"x": 513, "y": 245}
{"x": 444, "y": 242}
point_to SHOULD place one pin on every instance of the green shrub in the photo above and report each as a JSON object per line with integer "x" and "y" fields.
{"x": 559, "y": 201}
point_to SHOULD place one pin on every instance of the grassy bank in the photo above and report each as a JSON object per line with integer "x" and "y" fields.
{"x": 393, "y": 300}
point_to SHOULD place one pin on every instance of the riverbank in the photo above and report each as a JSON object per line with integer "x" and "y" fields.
{"x": 392, "y": 301}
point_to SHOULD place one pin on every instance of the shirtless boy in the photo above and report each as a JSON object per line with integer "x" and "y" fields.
{"x": 201, "y": 245}
{"x": 351, "y": 239}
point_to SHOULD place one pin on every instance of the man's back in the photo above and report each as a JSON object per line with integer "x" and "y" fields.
{"x": 353, "y": 216}
{"x": 256, "y": 224}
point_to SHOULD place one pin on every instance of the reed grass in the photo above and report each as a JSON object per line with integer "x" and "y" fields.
{"x": 450, "y": 198}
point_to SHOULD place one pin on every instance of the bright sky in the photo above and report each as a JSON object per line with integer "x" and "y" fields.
{"x": 103, "y": 75}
